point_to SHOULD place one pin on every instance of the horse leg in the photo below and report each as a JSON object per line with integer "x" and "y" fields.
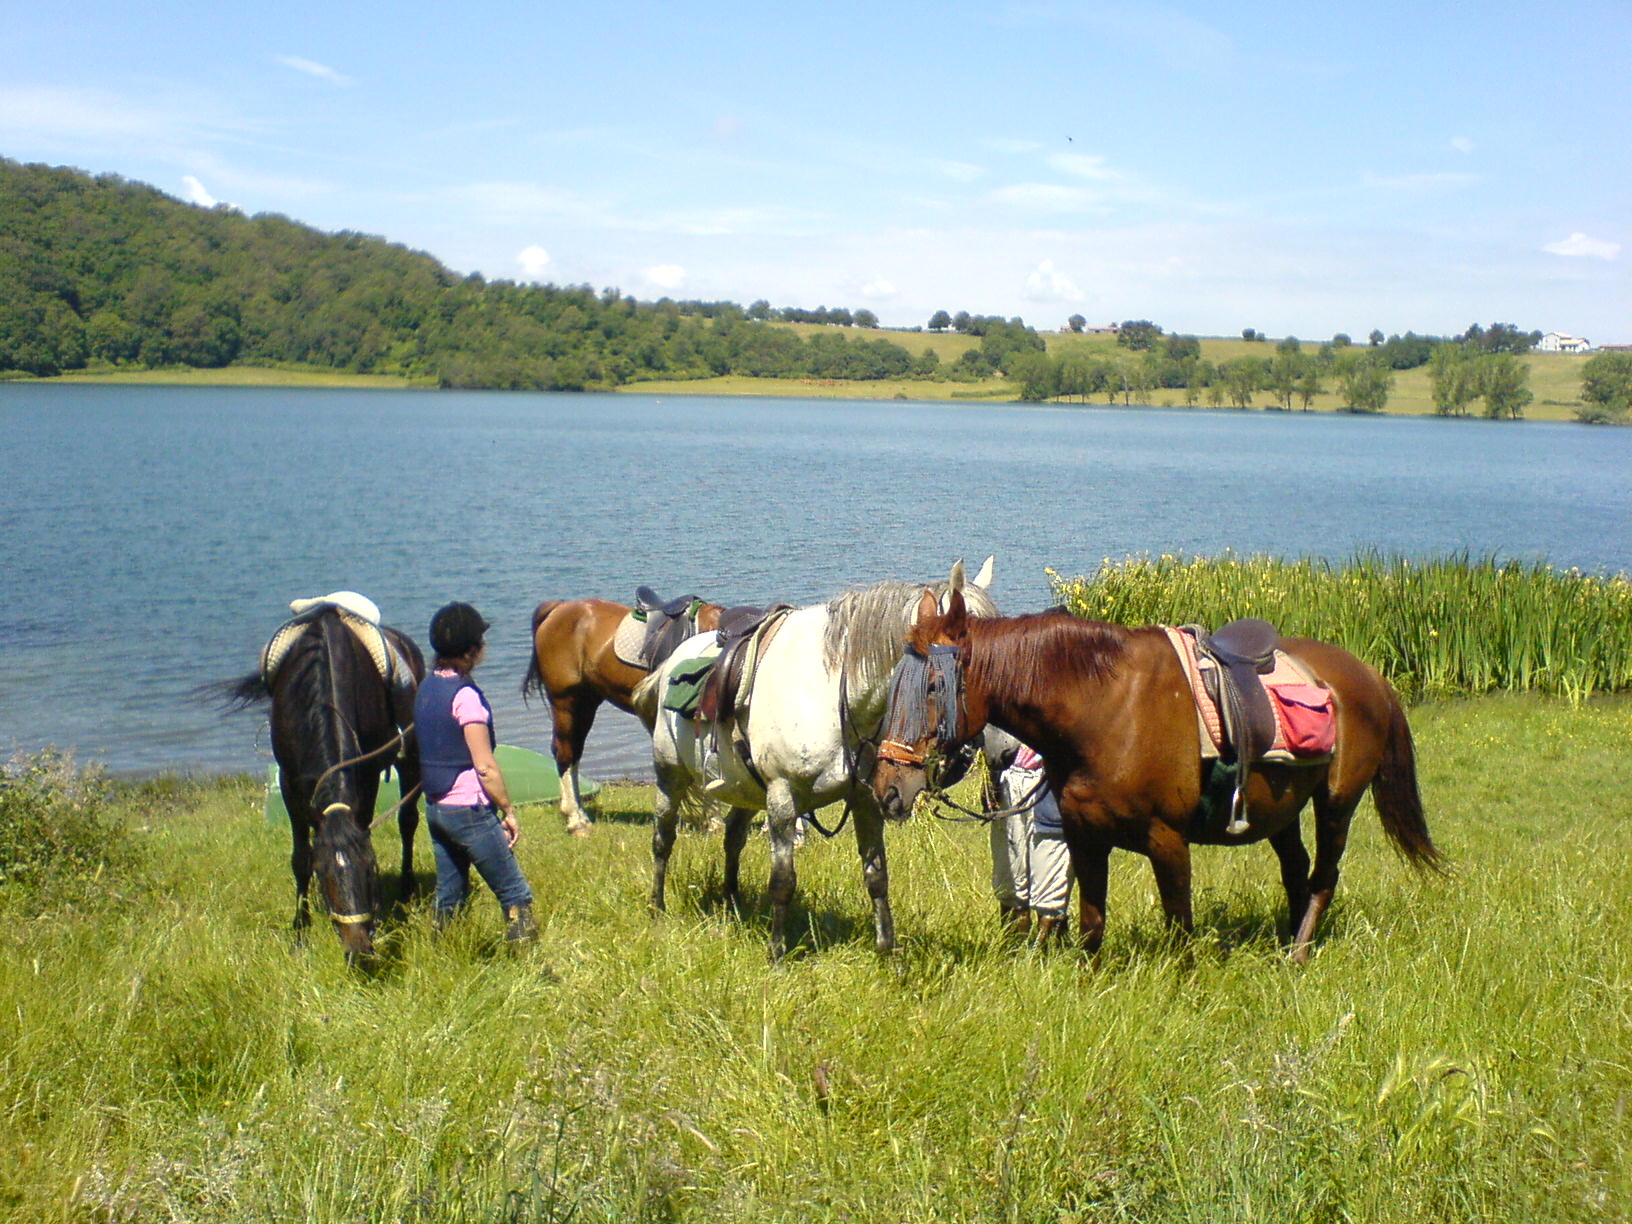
{"x": 736, "y": 836}
{"x": 1169, "y": 857}
{"x": 300, "y": 862}
{"x": 665, "y": 810}
{"x": 875, "y": 870}
{"x": 572, "y": 716}
{"x": 782, "y": 819}
{"x": 1289, "y": 848}
{"x": 407, "y": 827}
{"x": 1091, "y": 861}
{"x": 1332, "y": 816}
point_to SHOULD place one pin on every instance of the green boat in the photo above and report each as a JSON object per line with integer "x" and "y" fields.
{"x": 531, "y": 777}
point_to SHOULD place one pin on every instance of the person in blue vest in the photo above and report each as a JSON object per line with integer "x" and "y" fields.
{"x": 468, "y": 810}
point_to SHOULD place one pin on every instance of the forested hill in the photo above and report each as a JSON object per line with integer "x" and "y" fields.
{"x": 101, "y": 271}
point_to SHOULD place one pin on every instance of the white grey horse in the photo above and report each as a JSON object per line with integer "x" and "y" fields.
{"x": 815, "y": 708}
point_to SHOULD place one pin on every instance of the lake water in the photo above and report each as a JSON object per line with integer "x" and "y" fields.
{"x": 151, "y": 537}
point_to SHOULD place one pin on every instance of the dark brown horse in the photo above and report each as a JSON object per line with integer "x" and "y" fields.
{"x": 576, "y": 668}
{"x": 336, "y": 725}
{"x": 1110, "y": 710}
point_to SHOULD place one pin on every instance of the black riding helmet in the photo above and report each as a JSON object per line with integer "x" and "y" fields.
{"x": 456, "y": 630}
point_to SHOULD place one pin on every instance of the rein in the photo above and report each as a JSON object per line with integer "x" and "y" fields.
{"x": 940, "y": 799}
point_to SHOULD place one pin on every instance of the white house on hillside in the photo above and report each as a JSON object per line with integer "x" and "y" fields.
{"x": 1562, "y": 342}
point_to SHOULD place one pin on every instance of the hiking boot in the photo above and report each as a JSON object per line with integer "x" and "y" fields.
{"x": 1053, "y": 930}
{"x": 1016, "y": 920}
{"x": 519, "y": 925}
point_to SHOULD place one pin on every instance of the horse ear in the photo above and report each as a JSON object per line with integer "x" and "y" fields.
{"x": 928, "y": 609}
{"x": 983, "y": 580}
{"x": 956, "y": 623}
{"x": 957, "y": 579}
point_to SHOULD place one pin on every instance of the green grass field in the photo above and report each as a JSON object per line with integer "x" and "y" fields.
{"x": 1456, "y": 1050}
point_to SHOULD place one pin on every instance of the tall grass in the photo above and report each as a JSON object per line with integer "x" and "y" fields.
{"x": 1438, "y": 627}
{"x": 1454, "y": 1051}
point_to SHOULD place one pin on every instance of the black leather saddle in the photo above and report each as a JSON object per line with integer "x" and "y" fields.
{"x": 738, "y": 627}
{"x": 648, "y": 600}
{"x": 1244, "y": 650}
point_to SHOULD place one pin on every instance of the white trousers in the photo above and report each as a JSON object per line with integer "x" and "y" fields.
{"x": 1031, "y": 869}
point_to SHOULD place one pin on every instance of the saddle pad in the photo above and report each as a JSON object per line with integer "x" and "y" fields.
{"x": 360, "y": 606}
{"x": 392, "y": 667}
{"x": 629, "y": 639}
{"x": 686, "y": 681}
{"x": 1305, "y": 720}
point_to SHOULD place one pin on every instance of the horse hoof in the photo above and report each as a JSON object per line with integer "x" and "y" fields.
{"x": 581, "y": 829}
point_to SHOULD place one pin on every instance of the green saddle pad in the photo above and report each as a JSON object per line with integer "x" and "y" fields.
{"x": 686, "y": 681}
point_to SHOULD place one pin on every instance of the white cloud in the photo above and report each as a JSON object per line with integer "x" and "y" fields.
{"x": 312, "y": 68}
{"x": 197, "y": 194}
{"x": 1580, "y": 244}
{"x": 878, "y": 290}
{"x": 1048, "y": 197}
{"x": 1046, "y": 283}
{"x": 665, "y": 276}
{"x": 533, "y": 260}
{"x": 959, "y": 171}
{"x": 517, "y": 199}
{"x": 1084, "y": 165}
{"x": 1419, "y": 182}
{"x": 1012, "y": 146}
{"x": 1462, "y": 144}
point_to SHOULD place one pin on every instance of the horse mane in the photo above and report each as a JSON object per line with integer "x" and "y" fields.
{"x": 867, "y": 627}
{"x": 1025, "y": 657}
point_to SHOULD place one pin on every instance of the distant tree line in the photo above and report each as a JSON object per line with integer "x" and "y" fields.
{"x": 98, "y": 271}
{"x": 1482, "y": 364}
{"x": 112, "y": 273}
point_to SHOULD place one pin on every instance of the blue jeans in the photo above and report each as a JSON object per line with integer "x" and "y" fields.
{"x": 466, "y": 837}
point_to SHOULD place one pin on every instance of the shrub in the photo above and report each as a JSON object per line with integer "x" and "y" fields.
{"x": 57, "y": 838}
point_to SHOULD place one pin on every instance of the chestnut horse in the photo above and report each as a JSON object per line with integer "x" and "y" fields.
{"x": 575, "y": 667}
{"x": 1111, "y": 712}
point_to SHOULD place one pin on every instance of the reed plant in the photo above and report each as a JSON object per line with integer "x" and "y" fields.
{"x": 1454, "y": 1051}
{"x": 1436, "y": 627}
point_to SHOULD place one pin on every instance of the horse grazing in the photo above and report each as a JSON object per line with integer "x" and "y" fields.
{"x": 336, "y": 725}
{"x": 575, "y": 667}
{"x": 1110, "y": 710}
{"x": 815, "y": 704}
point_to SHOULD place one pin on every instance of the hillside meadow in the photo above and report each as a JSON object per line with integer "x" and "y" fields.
{"x": 1454, "y": 1051}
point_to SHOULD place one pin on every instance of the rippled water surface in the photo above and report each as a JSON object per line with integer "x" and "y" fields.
{"x": 151, "y": 538}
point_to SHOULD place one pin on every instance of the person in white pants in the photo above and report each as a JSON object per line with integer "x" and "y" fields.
{"x": 1031, "y": 866}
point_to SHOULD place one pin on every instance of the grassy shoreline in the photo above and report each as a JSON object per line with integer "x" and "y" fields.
{"x": 1454, "y": 1051}
{"x": 1555, "y": 380}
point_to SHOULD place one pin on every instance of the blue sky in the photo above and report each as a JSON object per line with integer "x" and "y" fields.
{"x": 1298, "y": 169}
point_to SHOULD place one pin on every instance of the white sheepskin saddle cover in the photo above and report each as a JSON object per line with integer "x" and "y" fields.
{"x": 358, "y": 613}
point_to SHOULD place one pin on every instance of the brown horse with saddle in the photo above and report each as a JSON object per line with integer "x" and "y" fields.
{"x": 589, "y": 651}
{"x": 1117, "y": 720}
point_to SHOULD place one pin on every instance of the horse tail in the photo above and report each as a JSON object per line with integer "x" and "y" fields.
{"x": 1394, "y": 790}
{"x": 533, "y": 681}
{"x": 235, "y": 694}
{"x": 643, "y": 697}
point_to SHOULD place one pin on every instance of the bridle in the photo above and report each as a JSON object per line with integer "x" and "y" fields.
{"x": 908, "y": 721}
